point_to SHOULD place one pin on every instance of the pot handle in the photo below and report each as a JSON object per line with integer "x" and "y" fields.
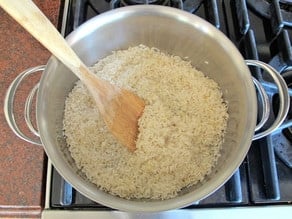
{"x": 283, "y": 96}
{"x": 9, "y": 109}
{"x": 265, "y": 102}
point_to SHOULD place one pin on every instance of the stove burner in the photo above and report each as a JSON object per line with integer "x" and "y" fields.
{"x": 137, "y": 2}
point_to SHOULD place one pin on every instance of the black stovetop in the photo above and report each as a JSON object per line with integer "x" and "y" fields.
{"x": 261, "y": 30}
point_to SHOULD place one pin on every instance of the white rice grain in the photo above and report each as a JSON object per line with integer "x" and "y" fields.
{"x": 181, "y": 129}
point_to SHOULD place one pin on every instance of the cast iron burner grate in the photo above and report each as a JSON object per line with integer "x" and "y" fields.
{"x": 261, "y": 30}
{"x": 282, "y": 9}
{"x": 283, "y": 148}
{"x": 121, "y": 3}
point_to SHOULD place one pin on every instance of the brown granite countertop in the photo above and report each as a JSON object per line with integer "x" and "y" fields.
{"x": 22, "y": 165}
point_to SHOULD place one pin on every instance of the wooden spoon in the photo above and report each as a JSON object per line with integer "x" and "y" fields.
{"x": 119, "y": 108}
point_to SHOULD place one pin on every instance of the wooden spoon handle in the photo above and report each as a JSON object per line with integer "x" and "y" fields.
{"x": 27, "y": 14}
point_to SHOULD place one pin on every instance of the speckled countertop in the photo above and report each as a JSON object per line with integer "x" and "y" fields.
{"x": 22, "y": 165}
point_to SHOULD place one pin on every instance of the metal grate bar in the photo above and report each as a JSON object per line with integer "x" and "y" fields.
{"x": 212, "y": 13}
{"x": 242, "y": 17}
{"x": 272, "y": 190}
{"x": 233, "y": 188}
{"x": 66, "y": 193}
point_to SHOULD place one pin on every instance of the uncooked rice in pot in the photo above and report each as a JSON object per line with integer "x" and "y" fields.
{"x": 181, "y": 129}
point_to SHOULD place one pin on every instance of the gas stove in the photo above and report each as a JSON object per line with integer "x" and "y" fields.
{"x": 262, "y": 185}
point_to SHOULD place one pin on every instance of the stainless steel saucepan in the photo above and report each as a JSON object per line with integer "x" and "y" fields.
{"x": 173, "y": 31}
